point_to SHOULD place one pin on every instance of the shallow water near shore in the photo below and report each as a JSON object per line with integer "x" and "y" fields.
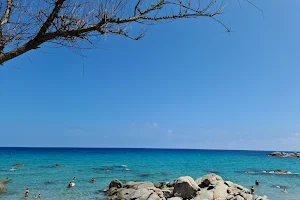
{"x": 40, "y": 174}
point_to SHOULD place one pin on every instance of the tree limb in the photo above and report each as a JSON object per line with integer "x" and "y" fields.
{"x": 5, "y": 18}
{"x": 68, "y": 22}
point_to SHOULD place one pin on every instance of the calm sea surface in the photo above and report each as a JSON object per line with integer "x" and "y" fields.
{"x": 40, "y": 176}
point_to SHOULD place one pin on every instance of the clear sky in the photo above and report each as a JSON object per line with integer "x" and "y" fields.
{"x": 187, "y": 84}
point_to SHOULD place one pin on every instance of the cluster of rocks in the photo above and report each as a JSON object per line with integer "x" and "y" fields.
{"x": 209, "y": 187}
{"x": 283, "y": 154}
{"x": 278, "y": 171}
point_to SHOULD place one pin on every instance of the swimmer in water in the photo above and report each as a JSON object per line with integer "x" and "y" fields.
{"x": 26, "y": 192}
{"x": 257, "y": 183}
{"x": 93, "y": 180}
{"x": 74, "y": 178}
{"x": 284, "y": 190}
{"x": 38, "y": 196}
{"x": 70, "y": 184}
{"x": 252, "y": 190}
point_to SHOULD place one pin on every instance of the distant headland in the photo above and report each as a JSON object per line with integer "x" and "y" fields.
{"x": 283, "y": 154}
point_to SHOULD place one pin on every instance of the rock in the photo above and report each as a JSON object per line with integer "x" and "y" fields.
{"x": 2, "y": 188}
{"x": 210, "y": 179}
{"x": 157, "y": 184}
{"x": 138, "y": 185}
{"x": 5, "y": 181}
{"x": 206, "y": 195}
{"x": 262, "y": 198}
{"x": 283, "y": 154}
{"x": 154, "y": 196}
{"x": 241, "y": 188}
{"x": 167, "y": 193}
{"x": 141, "y": 194}
{"x": 171, "y": 184}
{"x": 275, "y": 154}
{"x": 280, "y": 171}
{"x": 115, "y": 183}
{"x": 238, "y": 197}
{"x": 112, "y": 191}
{"x": 198, "y": 181}
{"x": 160, "y": 185}
{"x": 185, "y": 187}
{"x": 18, "y": 165}
{"x": 137, "y": 194}
{"x": 248, "y": 197}
{"x": 125, "y": 194}
{"x": 220, "y": 191}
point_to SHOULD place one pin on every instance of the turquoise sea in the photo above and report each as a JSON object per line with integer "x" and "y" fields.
{"x": 40, "y": 175}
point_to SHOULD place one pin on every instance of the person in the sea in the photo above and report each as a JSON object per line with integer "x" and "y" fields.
{"x": 26, "y": 192}
{"x": 252, "y": 190}
{"x": 257, "y": 183}
{"x": 37, "y": 196}
{"x": 93, "y": 180}
{"x": 74, "y": 178}
{"x": 70, "y": 184}
{"x": 284, "y": 190}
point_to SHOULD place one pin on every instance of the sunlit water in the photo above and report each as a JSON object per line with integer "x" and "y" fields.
{"x": 40, "y": 176}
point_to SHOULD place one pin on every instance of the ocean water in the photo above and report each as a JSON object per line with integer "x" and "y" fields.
{"x": 40, "y": 176}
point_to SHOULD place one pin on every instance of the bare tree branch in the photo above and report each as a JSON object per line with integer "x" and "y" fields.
{"x": 26, "y": 25}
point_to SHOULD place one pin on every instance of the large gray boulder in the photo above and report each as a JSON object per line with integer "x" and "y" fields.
{"x": 138, "y": 185}
{"x": 185, "y": 187}
{"x": 205, "y": 195}
{"x": 210, "y": 179}
{"x": 115, "y": 183}
{"x": 2, "y": 188}
{"x": 137, "y": 194}
{"x": 141, "y": 194}
{"x": 123, "y": 194}
{"x": 220, "y": 191}
{"x": 168, "y": 192}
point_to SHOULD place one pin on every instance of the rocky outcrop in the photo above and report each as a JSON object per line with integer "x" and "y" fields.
{"x": 115, "y": 183}
{"x": 209, "y": 187}
{"x": 6, "y": 181}
{"x": 2, "y": 188}
{"x": 283, "y": 154}
{"x": 276, "y": 172}
{"x": 185, "y": 187}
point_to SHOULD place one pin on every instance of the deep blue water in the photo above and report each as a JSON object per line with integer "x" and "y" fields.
{"x": 40, "y": 176}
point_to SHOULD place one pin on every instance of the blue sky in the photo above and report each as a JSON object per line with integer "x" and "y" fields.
{"x": 187, "y": 84}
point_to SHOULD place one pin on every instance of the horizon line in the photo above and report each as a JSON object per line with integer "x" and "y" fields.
{"x": 153, "y": 148}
